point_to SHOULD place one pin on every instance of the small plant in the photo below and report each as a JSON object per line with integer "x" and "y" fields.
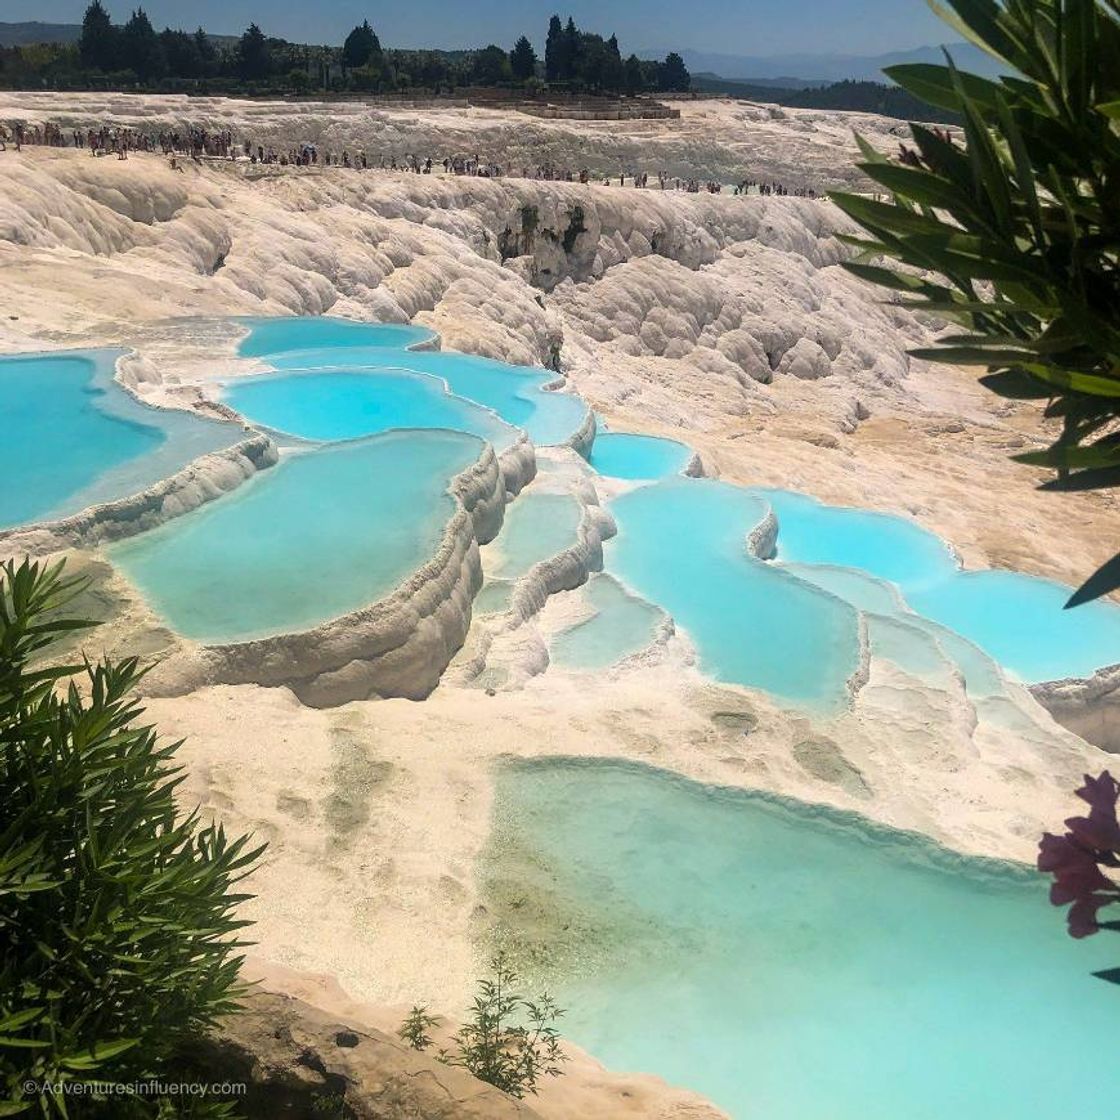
{"x": 117, "y": 928}
{"x": 492, "y": 1045}
{"x": 414, "y": 1030}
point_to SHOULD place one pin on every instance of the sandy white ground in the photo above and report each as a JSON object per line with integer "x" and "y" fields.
{"x": 723, "y": 322}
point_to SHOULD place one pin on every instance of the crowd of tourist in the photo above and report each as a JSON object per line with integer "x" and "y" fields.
{"x": 201, "y": 143}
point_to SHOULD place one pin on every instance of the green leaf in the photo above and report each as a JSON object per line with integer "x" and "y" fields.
{"x": 934, "y": 85}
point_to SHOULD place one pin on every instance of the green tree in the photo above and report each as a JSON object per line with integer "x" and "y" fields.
{"x": 254, "y": 59}
{"x": 180, "y": 49}
{"x": 523, "y": 60}
{"x": 362, "y": 46}
{"x": 634, "y": 79}
{"x": 98, "y": 46}
{"x": 491, "y": 66}
{"x": 117, "y": 928}
{"x": 207, "y": 52}
{"x": 673, "y": 75}
{"x": 1014, "y": 236}
{"x": 554, "y": 51}
{"x": 614, "y": 70}
{"x": 573, "y": 48}
{"x": 141, "y": 49}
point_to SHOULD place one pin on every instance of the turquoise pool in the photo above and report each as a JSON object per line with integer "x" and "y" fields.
{"x": 274, "y": 336}
{"x": 880, "y": 544}
{"x": 681, "y": 544}
{"x": 1020, "y": 621}
{"x": 73, "y": 437}
{"x": 315, "y": 537}
{"x": 1016, "y": 619}
{"x": 792, "y": 963}
{"x": 620, "y": 626}
{"x": 515, "y": 393}
{"x": 345, "y": 404}
{"x": 537, "y": 527}
{"x": 637, "y": 458}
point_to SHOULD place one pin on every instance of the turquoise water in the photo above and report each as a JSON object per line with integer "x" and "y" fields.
{"x": 793, "y": 964}
{"x": 320, "y": 534}
{"x": 274, "y": 336}
{"x": 682, "y": 545}
{"x": 1019, "y": 620}
{"x": 637, "y": 458}
{"x": 914, "y": 643}
{"x": 621, "y": 625}
{"x": 891, "y": 548}
{"x": 1016, "y": 619}
{"x": 537, "y": 527}
{"x": 515, "y": 393}
{"x": 344, "y": 404}
{"x": 74, "y": 438}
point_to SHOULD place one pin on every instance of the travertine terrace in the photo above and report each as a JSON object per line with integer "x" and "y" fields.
{"x": 721, "y": 321}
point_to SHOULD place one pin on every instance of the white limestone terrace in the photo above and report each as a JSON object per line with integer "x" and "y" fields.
{"x": 722, "y": 322}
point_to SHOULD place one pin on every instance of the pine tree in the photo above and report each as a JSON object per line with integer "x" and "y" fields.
{"x": 98, "y": 44}
{"x": 362, "y": 47}
{"x": 523, "y": 59}
{"x": 554, "y": 51}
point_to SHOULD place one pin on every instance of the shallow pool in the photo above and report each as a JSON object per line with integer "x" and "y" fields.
{"x": 682, "y": 545}
{"x": 889, "y": 547}
{"x": 74, "y": 438}
{"x": 1021, "y": 622}
{"x": 274, "y": 336}
{"x": 317, "y": 536}
{"x": 793, "y": 963}
{"x": 537, "y": 527}
{"x": 621, "y": 625}
{"x": 517, "y": 394}
{"x": 637, "y": 458}
{"x": 344, "y": 404}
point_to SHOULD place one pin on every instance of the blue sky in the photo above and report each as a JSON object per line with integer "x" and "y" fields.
{"x": 750, "y": 27}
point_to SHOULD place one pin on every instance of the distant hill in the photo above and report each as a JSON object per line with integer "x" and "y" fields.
{"x": 812, "y": 69}
{"x": 23, "y": 34}
{"x": 858, "y": 97}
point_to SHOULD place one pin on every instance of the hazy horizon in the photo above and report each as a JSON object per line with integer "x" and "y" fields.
{"x": 764, "y": 27}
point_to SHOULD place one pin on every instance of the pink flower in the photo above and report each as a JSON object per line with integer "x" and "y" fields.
{"x": 1075, "y": 859}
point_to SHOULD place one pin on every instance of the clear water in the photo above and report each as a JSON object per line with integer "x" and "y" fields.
{"x": 621, "y": 625}
{"x": 794, "y": 964}
{"x": 1016, "y": 619}
{"x": 537, "y": 527}
{"x": 494, "y": 598}
{"x": 891, "y": 548}
{"x": 274, "y": 336}
{"x": 514, "y": 393}
{"x": 344, "y": 404}
{"x": 682, "y": 545}
{"x": 73, "y": 437}
{"x": 315, "y": 537}
{"x": 1021, "y": 622}
{"x": 637, "y": 458}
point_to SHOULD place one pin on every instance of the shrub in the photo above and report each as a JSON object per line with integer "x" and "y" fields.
{"x": 1014, "y": 236}
{"x": 510, "y": 1055}
{"x": 117, "y": 935}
